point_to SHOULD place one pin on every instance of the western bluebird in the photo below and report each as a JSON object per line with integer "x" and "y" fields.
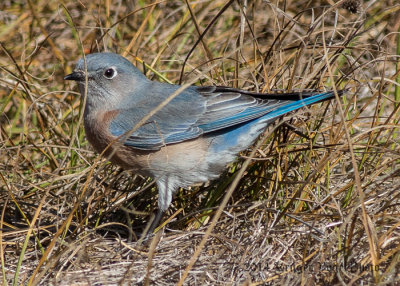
{"x": 190, "y": 140}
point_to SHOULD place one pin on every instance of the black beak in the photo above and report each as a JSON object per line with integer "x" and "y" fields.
{"x": 76, "y": 75}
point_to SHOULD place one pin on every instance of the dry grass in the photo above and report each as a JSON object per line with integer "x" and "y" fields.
{"x": 319, "y": 203}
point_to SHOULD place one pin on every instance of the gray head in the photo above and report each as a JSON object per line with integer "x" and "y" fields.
{"x": 110, "y": 78}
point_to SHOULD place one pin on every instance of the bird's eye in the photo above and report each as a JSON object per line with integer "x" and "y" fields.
{"x": 110, "y": 73}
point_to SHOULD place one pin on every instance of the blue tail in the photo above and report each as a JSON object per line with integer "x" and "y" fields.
{"x": 298, "y": 104}
{"x": 242, "y": 135}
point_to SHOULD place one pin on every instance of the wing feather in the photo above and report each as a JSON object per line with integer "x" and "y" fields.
{"x": 200, "y": 110}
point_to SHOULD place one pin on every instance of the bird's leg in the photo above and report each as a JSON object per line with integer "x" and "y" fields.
{"x": 164, "y": 199}
{"x": 156, "y": 221}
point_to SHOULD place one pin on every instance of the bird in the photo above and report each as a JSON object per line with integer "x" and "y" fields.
{"x": 188, "y": 141}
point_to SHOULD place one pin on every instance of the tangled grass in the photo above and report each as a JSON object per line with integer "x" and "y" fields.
{"x": 315, "y": 202}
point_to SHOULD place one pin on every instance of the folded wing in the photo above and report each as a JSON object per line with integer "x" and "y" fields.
{"x": 200, "y": 110}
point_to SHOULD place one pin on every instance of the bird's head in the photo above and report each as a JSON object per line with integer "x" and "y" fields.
{"x": 110, "y": 78}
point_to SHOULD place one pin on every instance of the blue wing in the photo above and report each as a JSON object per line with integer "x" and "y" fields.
{"x": 200, "y": 110}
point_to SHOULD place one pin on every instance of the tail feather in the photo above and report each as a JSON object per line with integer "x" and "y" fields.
{"x": 296, "y": 95}
{"x": 309, "y": 100}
